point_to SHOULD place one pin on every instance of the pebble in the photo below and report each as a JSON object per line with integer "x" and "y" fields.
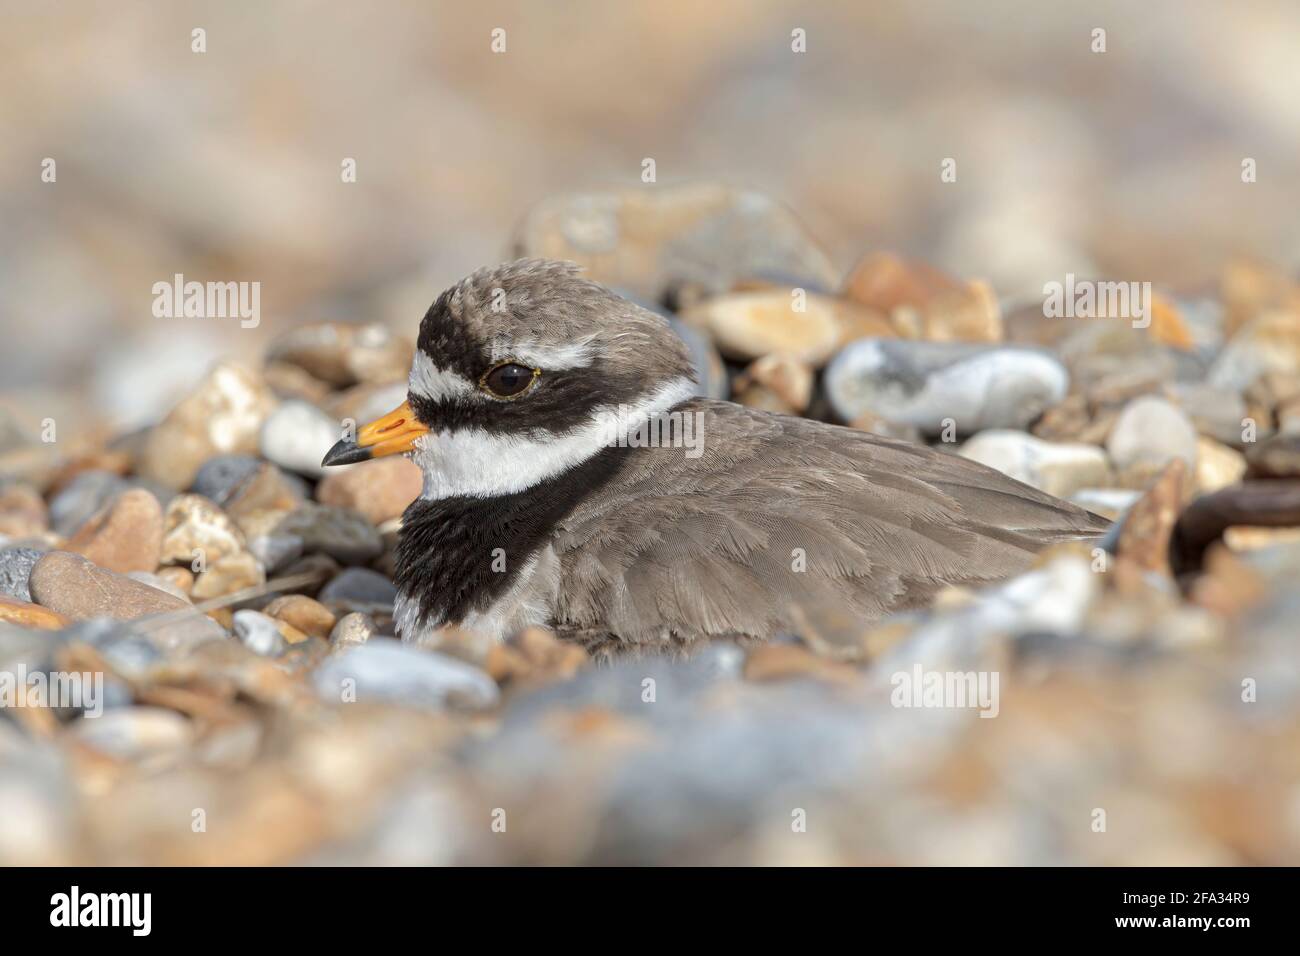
{"x": 923, "y": 383}
{"x": 1057, "y": 468}
{"x": 352, "y": 629}
{"x": 221, "y": 474}
{"x": 15, "y": 568}
{"x": 1107, "y": 502}
{"x": 710, "y": 373}
{"x": 385, "y": 670}
{"x": 309, "y": 616}
{"x": 1279, "y": 457}
{"x": 22, "y": 511}
{"x": 161, "y": 583}
{"x": 134, "y": 733}
{"x": 228, "y": 574}
{"x": 1149, "y": 433}
{"x": 72, "y": 585}
{"x": 259, "y": 633}
{"x": 779, "y": 383}
{"x": 343, "y": 354}
{"x": 1268, "y": 344}
{"x": 86, "y": 494}
{"x": 297, "y": 435}
{"x": 704, "y": 237}
{"x": 749, "y": 325}
{"x": 1217, "y": 465}
{"x": 924, "y": 303}
{"x": 194, "y": 526}
{"x": 1215, "y": 412}
{"x": 126, "y": 536}
{"x": 365, "y": 403}
{"x": 267, "y": 488}
{"x": 177, "y": 579}
{"x": 359, "y": 589}
{"x": 379, "y": 489}
{"x": 223, "y": 415}
{"x": 1143, "y": 537}
{"x": 27, "y": 614}
{"x": 341, "y": 533}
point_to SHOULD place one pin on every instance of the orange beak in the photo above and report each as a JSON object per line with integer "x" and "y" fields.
{"x": 392, "y": 434}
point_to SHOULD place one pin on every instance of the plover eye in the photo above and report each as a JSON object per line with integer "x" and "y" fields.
{"x": 509, "y": 379}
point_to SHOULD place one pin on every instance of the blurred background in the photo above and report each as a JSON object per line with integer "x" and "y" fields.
{"x": 1126, "y": 693}
{"x": 226, "y": 165}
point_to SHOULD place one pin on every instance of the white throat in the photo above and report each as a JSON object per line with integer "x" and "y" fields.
{"x": 478, "y": 464}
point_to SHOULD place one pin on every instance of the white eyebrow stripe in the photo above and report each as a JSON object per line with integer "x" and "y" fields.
{"x": 435, "y": 383}
{"x": 553, "y": 357}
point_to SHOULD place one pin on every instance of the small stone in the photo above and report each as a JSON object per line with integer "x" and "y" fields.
{"x": 193, "y": 528}
{"x": 1217, "y": 466}
{"x": 134, "y": 733}
{"x": 747, "y": 326}
{"x": 71, "y": 585}
{"x": 176, "y": 579}
{"x": 126, "y": 536}
{"x": 22, "y": 511}
{"x": 783, "y": 661}
{"x": 266, "y": 540}
{"x": 1149, "y": 433}
{"x": 266, "y": 488}
{"x": 223, "y": 415}
{"x": 342, "y": 533}
{"x": 1279, "y": 457}
{"x": 154, "y": 581}
{"x": 15, "y": 568}
{"x": 309, "y": 616}
{"x": 924, "y": 303}
{"x": 290, "y": 381}
{"x": 1268, "y": 344}
{"x": 343, "y": 354}
{"x": 27, "y": 614}
{"x": 352, "y": 629}
{"x": 365, "y": 403}
{"x": 1107, "y": 502}
{"x": 383, "y": 670}
{"x": 547, "y": 655}
{"x": 82, "y": 497}
{"x": 779, "y": 383}
{"x": 259, "y": 633}
{"x": 1217, "y": 413}
{"x": 228, "y": 574}
{"x": 296, "y": 436}
{"x": 379, "y": 489}
{"x": 221, "y": 474}
{"x": 359, "y": 589}
{"x": 924, "y": 384}
{"x": 701, "y": 237}
{"x": 1143, "y": 539}
{"x": 1058, "y": 469}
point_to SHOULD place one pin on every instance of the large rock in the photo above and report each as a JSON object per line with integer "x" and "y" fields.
{"x": 923, "y": 383}
{"x": 72, "y": 585}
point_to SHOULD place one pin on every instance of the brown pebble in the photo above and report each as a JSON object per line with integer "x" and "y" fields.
{"x": 1144, "y": 539}
{"x": 308, "y": 616}
{"x": 379, "y": 489}
{"x": 72, "y": 585}
{"x": 26, "y": 614}
{"x": 124, "y": 536}
{"x": 22, "y": 511}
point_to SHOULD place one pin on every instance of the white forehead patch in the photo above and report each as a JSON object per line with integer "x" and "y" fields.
{"x": 435, "y": 383}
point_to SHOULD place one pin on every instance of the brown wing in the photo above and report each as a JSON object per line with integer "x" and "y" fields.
{"x": 779, "y": 512}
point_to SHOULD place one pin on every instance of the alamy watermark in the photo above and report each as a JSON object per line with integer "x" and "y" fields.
{"x": 79, "y": 690}
{"x": 179, "y": 299}
{"x": 1086, "y": 299}
{"x": 625, "y": 428}
{"x": 918, "y": 687}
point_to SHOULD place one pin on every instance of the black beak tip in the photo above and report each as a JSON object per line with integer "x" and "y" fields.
{"x": 345, "y": 452}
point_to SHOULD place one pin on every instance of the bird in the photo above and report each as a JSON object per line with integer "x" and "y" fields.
{"x": 573, "y": 479}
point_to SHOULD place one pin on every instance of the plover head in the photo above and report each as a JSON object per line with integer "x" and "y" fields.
{"x": 519, "y": 370}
